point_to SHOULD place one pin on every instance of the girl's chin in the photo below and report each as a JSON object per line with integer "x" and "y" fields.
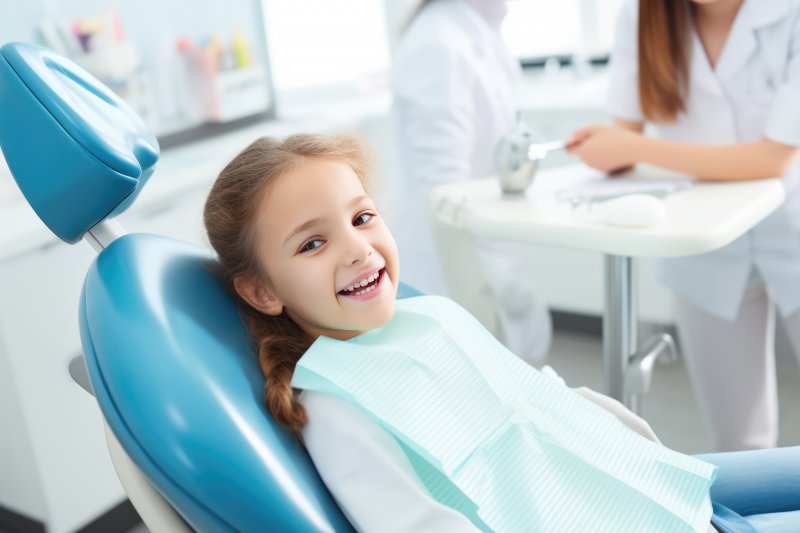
{"x": 375, "y": 318}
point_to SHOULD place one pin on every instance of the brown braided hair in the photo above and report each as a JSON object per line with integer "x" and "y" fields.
{"x": 229, "y": 215}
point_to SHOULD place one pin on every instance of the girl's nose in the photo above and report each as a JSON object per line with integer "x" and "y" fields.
{"x": 358, "y": 249}
{"x": 360, "y": 255}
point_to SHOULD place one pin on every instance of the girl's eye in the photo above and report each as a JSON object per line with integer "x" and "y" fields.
{"x": 363, "y": 218}
{"x": 311, "y": 245}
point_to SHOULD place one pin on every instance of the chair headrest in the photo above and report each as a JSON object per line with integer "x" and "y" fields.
{"x": 77, "y": 151}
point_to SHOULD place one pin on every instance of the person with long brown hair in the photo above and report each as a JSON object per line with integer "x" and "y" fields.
{"x": 720, "y": 82}
{"x": 315, "y": 271}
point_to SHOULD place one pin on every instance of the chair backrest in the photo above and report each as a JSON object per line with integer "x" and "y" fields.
{"x": 173, "y": 370}
{"x": 169, "y": 360}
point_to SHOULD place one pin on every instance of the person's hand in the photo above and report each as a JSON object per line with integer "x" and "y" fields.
{"x": 607, "y": 148}
{"x": 636, "y": 423}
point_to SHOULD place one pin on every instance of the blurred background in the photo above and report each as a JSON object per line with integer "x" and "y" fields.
{"x": 208, "y": 77}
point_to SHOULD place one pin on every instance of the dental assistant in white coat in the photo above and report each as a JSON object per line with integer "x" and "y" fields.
{"x": 453, "y": 83}
{"x": 731, "y": 112}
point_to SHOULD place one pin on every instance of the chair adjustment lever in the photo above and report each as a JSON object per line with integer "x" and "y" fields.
{"x": 639, "y": 373}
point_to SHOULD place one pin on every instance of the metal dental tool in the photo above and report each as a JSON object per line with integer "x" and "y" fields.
{"x": 517, "y": 157}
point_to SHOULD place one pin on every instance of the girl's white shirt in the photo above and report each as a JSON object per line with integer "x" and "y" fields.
{"x": 368, "y": 474}
{"x": 752, "y": 93}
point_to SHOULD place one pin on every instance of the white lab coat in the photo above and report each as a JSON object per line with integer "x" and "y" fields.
{"x": 754, "y": 92}
{"x": 453, "y": 83}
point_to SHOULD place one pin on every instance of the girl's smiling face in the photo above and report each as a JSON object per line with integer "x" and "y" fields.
{"x": 330, "y": 261}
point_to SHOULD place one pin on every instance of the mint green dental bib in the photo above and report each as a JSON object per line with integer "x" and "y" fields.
{"x": 492, "y": 437}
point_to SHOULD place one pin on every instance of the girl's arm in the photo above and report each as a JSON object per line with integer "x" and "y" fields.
{"x": 612, "y": 148}
{"x": 368, "y": 473}
{"x": 626, "y": 416}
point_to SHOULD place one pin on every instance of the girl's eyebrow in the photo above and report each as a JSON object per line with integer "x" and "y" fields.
{"x": 308, "y": 223}
{"x": 302, "y": 227}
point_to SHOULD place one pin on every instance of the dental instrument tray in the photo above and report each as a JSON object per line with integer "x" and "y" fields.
{"x": 605, "y": 189}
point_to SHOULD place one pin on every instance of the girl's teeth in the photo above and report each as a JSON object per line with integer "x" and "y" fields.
{"x": 363, "y": 283}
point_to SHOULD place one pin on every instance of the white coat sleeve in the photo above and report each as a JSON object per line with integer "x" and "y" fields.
{"x": 368, "y": 473}
{"x": 434, "y": 113}
{"x": 623, "y": 86}
{"x": 783, "y": 120}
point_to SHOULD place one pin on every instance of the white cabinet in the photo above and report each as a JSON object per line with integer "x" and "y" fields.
{"x": 53, "y": 459}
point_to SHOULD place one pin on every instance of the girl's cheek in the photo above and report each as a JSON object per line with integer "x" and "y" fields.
{"x": 317, "y": 276}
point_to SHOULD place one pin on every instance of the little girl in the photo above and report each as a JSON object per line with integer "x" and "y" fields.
{"x": 316, "y": 273}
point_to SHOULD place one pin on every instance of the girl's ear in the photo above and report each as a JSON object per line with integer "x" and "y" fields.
{"x": 258, "y": 295}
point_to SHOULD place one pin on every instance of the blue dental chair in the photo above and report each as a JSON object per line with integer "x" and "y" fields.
{"x": 169, "y": 360}
{"x": 170, "y": 363}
